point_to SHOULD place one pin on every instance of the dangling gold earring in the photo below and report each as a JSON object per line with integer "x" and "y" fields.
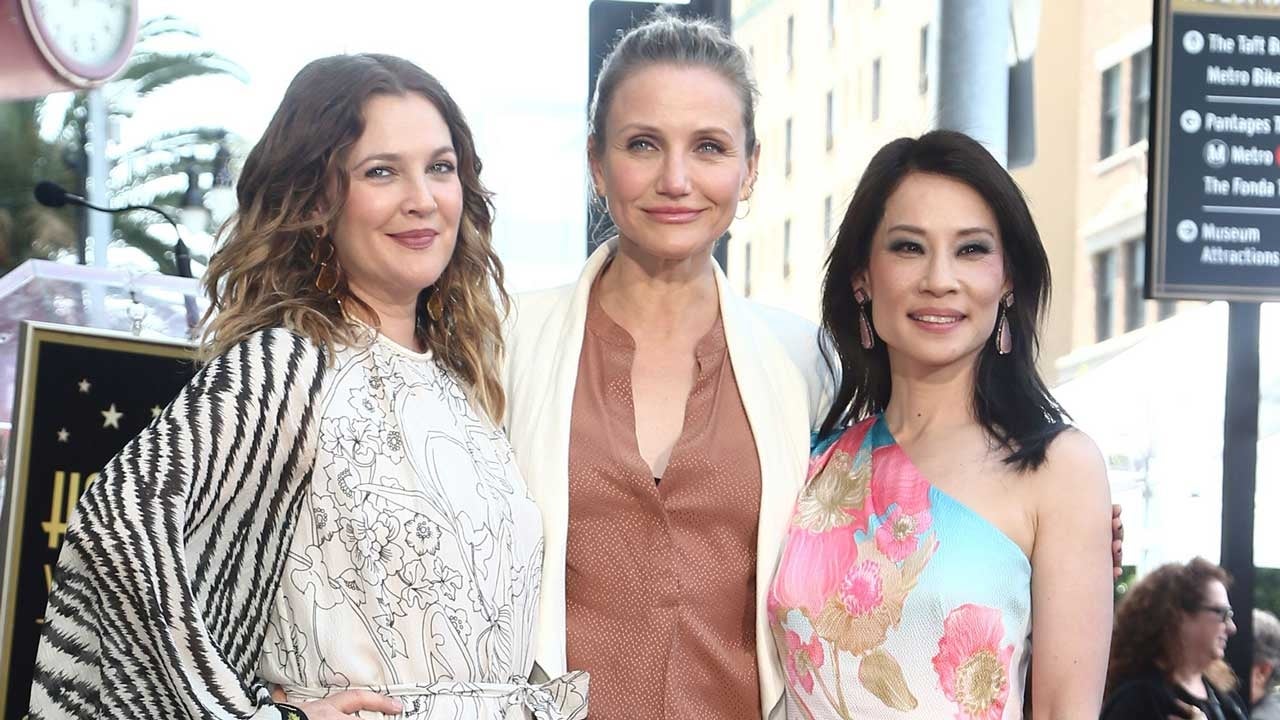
{"x": 435, "y": 305}
{"x": 865, "y": 334}
{"x": 1004, "y": 336}
{"x": 329, "y": 273}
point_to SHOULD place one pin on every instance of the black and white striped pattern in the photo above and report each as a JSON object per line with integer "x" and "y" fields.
{"x": 175, "y": 552}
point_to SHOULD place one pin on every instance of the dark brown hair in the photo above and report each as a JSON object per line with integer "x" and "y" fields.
{"x": 293, "y": 187}
{"x": 1010, "y": 400}
{"x": 1146, "y": 637}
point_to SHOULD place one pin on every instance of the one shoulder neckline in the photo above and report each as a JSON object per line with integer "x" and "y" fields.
{"x": 878, "y": 425}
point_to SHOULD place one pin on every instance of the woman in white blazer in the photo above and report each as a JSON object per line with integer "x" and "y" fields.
{"x": 672, "y": 152}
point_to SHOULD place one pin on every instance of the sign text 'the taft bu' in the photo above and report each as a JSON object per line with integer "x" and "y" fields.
{"x": 1214, "y": 210}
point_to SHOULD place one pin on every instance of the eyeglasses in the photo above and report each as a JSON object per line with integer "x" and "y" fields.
{"x": 1223, "y": 612}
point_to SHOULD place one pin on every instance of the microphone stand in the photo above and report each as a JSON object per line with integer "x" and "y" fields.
{"x": 181, "y": 253}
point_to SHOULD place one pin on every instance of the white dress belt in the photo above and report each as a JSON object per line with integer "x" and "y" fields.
{"x": 562, "y": 698}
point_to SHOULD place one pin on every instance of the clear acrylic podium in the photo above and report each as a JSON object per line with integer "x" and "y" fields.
{"x": 150, "y": 305}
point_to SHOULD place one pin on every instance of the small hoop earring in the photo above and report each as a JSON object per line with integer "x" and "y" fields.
{"x": 1004, "y": 336}
{"x": 866, "y": 335}
{"x": 743, "y": 216}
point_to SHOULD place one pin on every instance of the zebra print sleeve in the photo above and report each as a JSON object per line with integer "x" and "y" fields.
{"x": 175, "y": 552}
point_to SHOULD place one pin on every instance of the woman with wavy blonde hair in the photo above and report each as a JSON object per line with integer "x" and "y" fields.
{"x": 327, "y": 522}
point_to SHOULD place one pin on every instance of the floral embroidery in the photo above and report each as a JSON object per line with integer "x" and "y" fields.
{"x": 972, "y": 667}
{"x": 324, "y": 516}
{"x": 419, "y": 550}
{"x": 857, "y": 619}
{"x": 837, "y": 497}
{"x": 862, "y": 589}
{"x": 899, "y": 535}
{"x": 812, "y": 567}
{"x": 802, "y": 659}
{"x": 422, "y": 535}
{"x": 373, "y": 547}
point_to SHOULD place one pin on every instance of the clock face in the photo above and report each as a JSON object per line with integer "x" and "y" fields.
{"x": 85, "y": 39}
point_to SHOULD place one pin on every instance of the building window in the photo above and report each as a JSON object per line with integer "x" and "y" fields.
{"x": 1110, "y": 112}
{"x": 826, "y": 220}
{"x": 746, "y": 268}
{"x": 1135, "y": 307}
{"x": 875, "y": 89}
{"x": 791, "y": 42}
{"x": 831, "y": 22}
{"x": 1139, "y": 95}
{"x": 786, "y": 148}
{"x": 786, "y": 249}
{"x": 1104, "y": 279}
{"x": 924, "y": 60}
{"x": 831, "y": 119}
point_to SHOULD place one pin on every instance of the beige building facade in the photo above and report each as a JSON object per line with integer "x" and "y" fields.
{"x": 839, "y": 78}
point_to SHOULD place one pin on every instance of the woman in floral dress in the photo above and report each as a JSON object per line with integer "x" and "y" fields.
{"x": 949, "y": 508}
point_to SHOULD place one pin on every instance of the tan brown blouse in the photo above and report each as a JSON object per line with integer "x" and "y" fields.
{"x": 661, "y": 576}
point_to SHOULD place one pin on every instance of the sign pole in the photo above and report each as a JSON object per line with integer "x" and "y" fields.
{"x": 1239, "y": 476}
{"x": 1213, "y": 225}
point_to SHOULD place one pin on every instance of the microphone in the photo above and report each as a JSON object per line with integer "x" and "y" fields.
{"x": 51, "y": 194}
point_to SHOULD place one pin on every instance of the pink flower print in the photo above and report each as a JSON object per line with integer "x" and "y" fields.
{"x": 899, "y": 535}
{"x": 896, "y": 480}
{"x": 803, "y": 659}
{"x": 973, "y": 670}
{"x": 811, "y": 568}
{"x": 862, "y": 590}
{"x": 870, "y": 597}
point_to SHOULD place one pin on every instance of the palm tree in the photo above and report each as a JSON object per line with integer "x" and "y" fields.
{"x": 146, "y": 173}
{"x": 28, "y": 229}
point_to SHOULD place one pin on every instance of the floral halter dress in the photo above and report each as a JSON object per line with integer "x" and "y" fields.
{"x": 894, "y": 600}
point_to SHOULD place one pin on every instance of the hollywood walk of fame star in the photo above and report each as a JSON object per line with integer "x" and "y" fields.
{"x": 64, "y": 436}
{"x": 111, "y": 417}
{"x": 84, "y": 385}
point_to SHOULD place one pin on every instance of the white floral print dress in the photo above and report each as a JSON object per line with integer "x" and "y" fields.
{"x": 415, "y": 565}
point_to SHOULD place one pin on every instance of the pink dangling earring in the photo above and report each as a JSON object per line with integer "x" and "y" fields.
{"x": 1004, "y": 336}
{"x": 865, "y": 333}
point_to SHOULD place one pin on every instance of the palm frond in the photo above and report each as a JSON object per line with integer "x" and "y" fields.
{"x": 134, "y": 233}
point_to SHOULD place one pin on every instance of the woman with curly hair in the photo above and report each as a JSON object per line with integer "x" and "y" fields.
{"x": 1171, "y": 631}
{"x": 329, "y": 509}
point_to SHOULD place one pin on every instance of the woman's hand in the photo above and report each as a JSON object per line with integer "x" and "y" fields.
{"x": 1187, "y": 711}
{"x": 1117, "y": 541}
{"x": 344, "y": 705}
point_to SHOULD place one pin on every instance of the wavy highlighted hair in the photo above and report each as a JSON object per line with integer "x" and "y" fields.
{"x": 294, "y": 185}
